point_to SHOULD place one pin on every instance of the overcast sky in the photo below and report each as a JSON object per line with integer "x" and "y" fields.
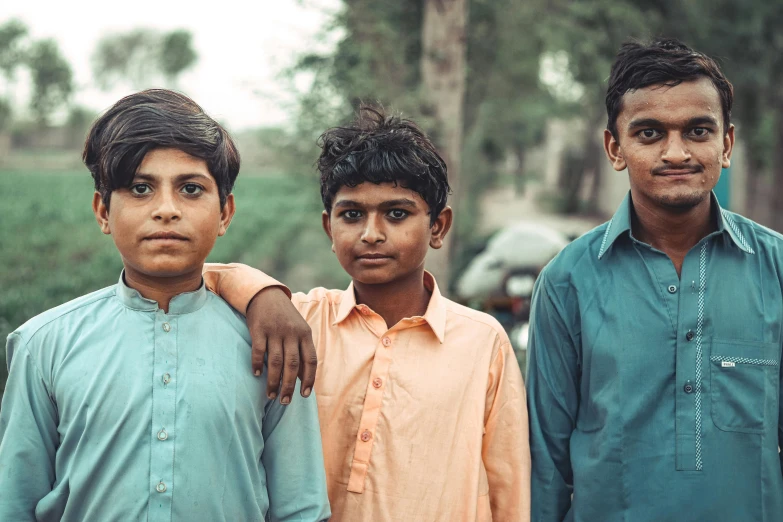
{"x": 242, "y": 47}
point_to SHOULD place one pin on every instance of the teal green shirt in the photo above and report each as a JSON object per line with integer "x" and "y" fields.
{"x": 654, "y": 397}
{"x": 115, "y": 410}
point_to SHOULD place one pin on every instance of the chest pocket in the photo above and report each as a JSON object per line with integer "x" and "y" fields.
{"x": 744, "y": 379}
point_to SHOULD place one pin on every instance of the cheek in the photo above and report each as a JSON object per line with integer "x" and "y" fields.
{"x": 343, "y": 241}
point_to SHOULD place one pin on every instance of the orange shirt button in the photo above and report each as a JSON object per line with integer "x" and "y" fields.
{"x": 377, "y": 382}
{"x": 366, "y": 435}
{"x": 386, "y": 341}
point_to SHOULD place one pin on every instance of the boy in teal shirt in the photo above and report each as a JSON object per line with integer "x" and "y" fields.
{"x": 134, "y": 402}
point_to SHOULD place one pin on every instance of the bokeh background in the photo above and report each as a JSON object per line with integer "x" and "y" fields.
{"x": 512, "y": 92}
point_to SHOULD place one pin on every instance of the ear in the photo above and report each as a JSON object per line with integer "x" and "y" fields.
{"x": 227, "y": 214}
{"x": 327, "y": 226}
{"x": 441, "y": 227}
{"x": 728, "y": 147}
{"x": 101, "y": 212}
{"x": 613, "y": 151}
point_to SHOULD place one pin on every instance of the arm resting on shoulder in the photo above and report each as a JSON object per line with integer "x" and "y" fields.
{"x": 277, "y": 329}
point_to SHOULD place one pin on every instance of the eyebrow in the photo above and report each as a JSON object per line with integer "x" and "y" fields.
{"x": 404, "y": 202}
{"x": 179, "y": 178}
{"x": 693, "y": 122}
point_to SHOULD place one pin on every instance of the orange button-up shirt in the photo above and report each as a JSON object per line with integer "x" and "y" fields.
{"x": 424, "y": 421}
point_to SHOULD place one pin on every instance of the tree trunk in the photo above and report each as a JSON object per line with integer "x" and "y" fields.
{"x": 519, "y": 170}
{"x": 443, "y": 79}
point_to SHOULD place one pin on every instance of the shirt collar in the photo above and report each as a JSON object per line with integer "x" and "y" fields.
{"x": 179, "y": 304}
{"x": 435, "y": 316}
{"x": 621, "y": 223}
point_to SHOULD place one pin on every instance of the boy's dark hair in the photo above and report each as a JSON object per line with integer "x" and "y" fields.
{"x": 382, "y": 148}
{"x": 665, "y": 61}
{"x": 156, "y": 119}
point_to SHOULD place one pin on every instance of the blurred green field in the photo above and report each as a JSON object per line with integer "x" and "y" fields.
{"x": 51, "y": 249}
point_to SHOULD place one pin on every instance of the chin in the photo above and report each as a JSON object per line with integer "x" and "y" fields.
{"x": 166, "y": 269}
{"x": 372, "y": 277}
{"x": 681, "y": 201}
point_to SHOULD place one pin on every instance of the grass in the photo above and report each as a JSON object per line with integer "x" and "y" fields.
{"x": 52, "y": 251}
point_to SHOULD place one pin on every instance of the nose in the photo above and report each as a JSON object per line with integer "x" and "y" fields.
{"x": 675, "y": 150}
{"x": 167, "y": 208}
{"x": 373, "y": 232}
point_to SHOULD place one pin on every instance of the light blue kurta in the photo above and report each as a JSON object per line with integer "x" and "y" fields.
{"x": 655, "y": 397}
{"x": 115, "y": 410}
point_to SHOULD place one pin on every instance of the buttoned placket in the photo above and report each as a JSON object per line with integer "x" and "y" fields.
{"x": 373, "y": 400}
{"x": 164, "y": 385}
{"x": 684, "y": 297}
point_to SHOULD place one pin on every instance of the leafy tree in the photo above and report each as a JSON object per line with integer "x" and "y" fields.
{"x": 52, "y": 79}
{"x": 176, "y": 54}
{"x": 12, "y": 38}
{"x": 142, "y": 56}
{"x": 129, "y": 58}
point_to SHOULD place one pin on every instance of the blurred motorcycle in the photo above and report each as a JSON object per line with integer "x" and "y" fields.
{"x": 500, "y": 279}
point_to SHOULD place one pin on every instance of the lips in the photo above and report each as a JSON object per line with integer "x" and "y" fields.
{"x": 170, "y": 236}
{"x": 675, "y": 172}
{"x": 374, "y": 256}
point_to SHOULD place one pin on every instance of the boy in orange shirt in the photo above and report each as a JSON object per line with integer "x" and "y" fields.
{"x": 421, "y": 401}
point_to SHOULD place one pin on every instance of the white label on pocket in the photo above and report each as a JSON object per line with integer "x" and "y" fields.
{"x": 727, "y": 364}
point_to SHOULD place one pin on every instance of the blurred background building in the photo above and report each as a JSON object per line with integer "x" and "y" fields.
{"x": 512, "y": 92}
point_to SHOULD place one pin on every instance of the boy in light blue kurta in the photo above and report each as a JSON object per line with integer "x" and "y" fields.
{"x": 134, "y": 402}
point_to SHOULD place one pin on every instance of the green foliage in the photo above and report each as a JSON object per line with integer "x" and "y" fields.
{"x": 12, "y": 50}
{"x": 141, "y": 56}
{"x": 128, "y": 57}
{"x": 52, "y": 79}
{"x": 176, "y": 54}
{"x": 53, "y": 250}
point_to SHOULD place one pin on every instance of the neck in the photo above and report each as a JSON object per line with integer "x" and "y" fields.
{"x": 396, "y": 300}
{"x": 162, "y": 289}
{"x": 672, "y": 232}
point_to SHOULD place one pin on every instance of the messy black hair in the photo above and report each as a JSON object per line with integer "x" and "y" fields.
{"x": 382, "y": 148}
{"x": 156, "y": 119}
{"x": 664, "y": 61}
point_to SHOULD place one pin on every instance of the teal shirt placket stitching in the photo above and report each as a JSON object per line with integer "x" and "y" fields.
{"x": 699, "y": 352}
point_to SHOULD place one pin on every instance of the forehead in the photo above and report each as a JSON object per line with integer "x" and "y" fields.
{"x": 368, "y": 193}
{"x": 172, "y": 162}
{"x": 671, "y": 104}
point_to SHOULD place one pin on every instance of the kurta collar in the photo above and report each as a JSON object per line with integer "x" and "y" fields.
{"x": 435, "y": 316}
{"x": 179, "y": 304}
{"x": 621, "y": 224}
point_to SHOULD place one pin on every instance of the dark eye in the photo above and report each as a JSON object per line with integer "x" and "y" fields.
{"x": 700, "y": 132}
{"x": 140, "y": 189}
{"x": 398, "y": 214}
{"x": 192, "y": 189}
{"x": 648, "y": 134}
{"x": 352, "y": 214}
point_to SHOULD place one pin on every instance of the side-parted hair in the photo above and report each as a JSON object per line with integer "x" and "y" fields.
{"x": 665, "y": 61}
{"x": 382, "y": 148}
{"x": 156, "y": 119}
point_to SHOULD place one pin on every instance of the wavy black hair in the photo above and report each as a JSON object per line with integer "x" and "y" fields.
{"x": 664, "y": 61}
{"x": 382, "y": 148}
{"x": 156, "y": 119}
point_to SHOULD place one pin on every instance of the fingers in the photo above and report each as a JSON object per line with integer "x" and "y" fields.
{"x": 274, "y": 364}
{"x": 290, "y": 369}
{"x": 308, "y": 364}
{"x": 259, "y": 350}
